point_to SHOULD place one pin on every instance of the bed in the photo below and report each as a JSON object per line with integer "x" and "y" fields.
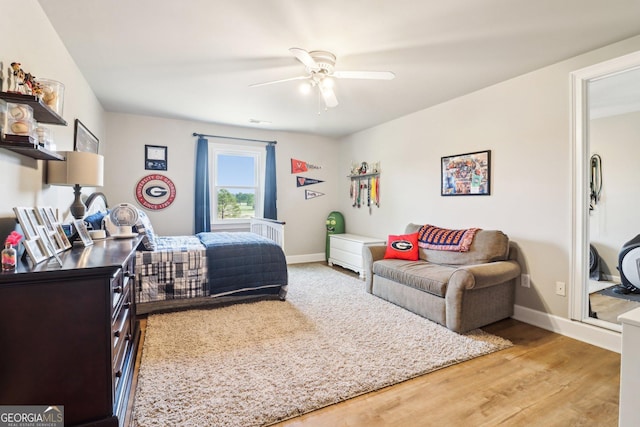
{"x": 177, "y": 272}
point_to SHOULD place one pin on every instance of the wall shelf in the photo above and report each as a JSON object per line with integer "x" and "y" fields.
{"x": 364, "y": 175}
{"x": 41, "y": 112}
{"x": 24, "y": 144}
{"x": 27, "y": 146}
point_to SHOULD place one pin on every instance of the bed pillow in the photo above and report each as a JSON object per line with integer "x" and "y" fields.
{"x": 404, "y": 246}
{"x": 143, "y": 226}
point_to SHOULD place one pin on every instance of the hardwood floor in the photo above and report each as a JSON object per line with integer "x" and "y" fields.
{"x": 609, "y": 308}
{"x": 545, "y": 379}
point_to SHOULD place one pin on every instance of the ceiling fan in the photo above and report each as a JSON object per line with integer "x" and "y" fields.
{"x": 319, "y": 65}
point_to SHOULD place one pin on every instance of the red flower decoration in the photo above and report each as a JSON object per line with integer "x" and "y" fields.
{"x": 13, "y": 238}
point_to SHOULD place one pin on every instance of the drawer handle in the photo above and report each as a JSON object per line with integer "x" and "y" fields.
{"x": 117, "y": 289}
{"x": 119, "y": 373}
{"x": 127, "y": 337}
{"x": 116, "y": 334}
{"x": 129, "y": 274}
{"x": 126, "y": 305}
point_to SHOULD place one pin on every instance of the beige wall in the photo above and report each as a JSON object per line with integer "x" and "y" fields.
{"x": 526, "y": 123}
{"x": 27, "y": 37}
{"x": 305, "y": 229}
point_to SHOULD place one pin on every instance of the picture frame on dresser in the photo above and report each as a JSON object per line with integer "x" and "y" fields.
{"x": 35, "y": 250}
{"x": 83, "y": 233}
{"x": 28, "y": 228}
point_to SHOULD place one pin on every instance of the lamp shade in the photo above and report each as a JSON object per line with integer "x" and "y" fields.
{"x": 84, "y": 169}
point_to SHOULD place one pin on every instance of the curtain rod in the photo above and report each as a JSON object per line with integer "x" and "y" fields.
{"x": 233, "y": 137}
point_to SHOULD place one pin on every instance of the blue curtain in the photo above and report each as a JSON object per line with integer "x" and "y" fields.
{"x": 202, "y": 205}
{"x": 270, "y": 193}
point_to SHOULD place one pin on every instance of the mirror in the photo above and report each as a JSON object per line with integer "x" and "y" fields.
{"x": 606, "y": 123}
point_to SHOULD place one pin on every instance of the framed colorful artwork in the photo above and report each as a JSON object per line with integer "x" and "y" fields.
{"x": 466, "y": 174}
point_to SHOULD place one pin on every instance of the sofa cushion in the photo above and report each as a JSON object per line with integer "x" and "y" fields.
{"x": 404, "y": 246}
{"x": 487, "y": 246}
{"x": 428, "y": 277}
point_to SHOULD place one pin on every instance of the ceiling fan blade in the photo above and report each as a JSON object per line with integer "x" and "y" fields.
{"x": 374, "y": 75}
{"x": 279, "y": 81}
{"x": 329, "y": 96}
{"x": 304, "y": 57}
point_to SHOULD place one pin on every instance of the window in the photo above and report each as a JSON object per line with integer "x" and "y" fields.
{"x": 237, "y": 176}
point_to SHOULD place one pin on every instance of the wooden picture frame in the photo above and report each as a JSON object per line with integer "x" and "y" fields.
{"x": 155, "y": 157}
{"x": 83, "y": 139}
{"x": 466, "y": 174}
{"x": 83, "y": 233}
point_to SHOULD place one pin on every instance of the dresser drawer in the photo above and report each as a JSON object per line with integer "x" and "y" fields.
{"x": 122, "y": 336}
{"x": 346, "y": 245}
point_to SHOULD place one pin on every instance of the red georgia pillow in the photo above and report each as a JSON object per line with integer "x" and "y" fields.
{"x": 404, "y": 246}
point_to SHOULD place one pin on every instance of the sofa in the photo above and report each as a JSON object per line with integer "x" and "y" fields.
{"x": 460, "y": 290}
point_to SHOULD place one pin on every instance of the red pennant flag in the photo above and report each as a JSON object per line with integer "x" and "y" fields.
{"x": 298, "y": 166}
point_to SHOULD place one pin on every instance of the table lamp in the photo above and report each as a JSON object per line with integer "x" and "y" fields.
{"x": 79, "y": 169}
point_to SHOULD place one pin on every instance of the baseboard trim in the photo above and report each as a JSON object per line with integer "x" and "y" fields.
{"x": 300, "y": 259}
{"x": 601, "y": 337}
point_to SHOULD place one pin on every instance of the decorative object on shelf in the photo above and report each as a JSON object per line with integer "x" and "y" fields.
{"x": 365, "y": 184}
{"x": 298, "y": 166}
{"x": 9, "y": 252}
{"x": 51, "y": 92}
{"x": 155, "y": 192}
{"x": 79, "y": 169}
{"x": 364, "y": 168}
{"x": 84, "y": 140}
{"x": 28, "y": 145}
{"x": 155, "y": 157}
{"x": 83, "y": 233}
{"x": 466, "y": 174}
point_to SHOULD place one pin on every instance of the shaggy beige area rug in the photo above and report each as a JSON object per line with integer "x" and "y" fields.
{"x": 258, "y": 363}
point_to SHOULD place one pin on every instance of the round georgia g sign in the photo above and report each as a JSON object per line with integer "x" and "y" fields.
{"x": 155, "y": 191}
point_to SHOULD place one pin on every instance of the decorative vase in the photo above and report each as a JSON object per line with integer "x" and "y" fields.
{"x": 8, "y": 258}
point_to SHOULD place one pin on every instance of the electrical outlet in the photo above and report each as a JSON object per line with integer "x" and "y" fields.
{"x": 525, "y": 280}
{"x": 560, "y": 289}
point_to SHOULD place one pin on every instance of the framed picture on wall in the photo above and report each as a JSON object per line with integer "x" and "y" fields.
{"x": 84, "y": 140}
{"x": 155, "y": 157}
{"x": 466, "y": 174}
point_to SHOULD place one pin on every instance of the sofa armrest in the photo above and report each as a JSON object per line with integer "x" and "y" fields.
{"x": 370, "y": 254}
{"x": 481, "y": 276}
{"x": 492, "y": 273}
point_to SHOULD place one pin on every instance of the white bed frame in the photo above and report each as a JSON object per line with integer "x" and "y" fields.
{"x": 269, "y": 228}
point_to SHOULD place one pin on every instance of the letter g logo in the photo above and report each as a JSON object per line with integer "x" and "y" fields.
{"x": 156, "y": 191}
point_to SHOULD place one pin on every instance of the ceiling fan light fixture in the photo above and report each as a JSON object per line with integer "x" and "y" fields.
{"x": 305, "y": 87}
{"x": 328, "y": 83}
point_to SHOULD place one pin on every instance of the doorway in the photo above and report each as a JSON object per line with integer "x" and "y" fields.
{"x": 606, "y": 199}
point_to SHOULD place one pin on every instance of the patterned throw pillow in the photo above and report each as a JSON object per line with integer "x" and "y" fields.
{"x": 143, "y": 226}
{"x": 404, "y": 246}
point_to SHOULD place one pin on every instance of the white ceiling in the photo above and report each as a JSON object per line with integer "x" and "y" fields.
{"x": 195, "y": 59}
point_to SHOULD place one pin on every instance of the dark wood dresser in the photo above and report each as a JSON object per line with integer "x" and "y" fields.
{"x": 69, "y": 335}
